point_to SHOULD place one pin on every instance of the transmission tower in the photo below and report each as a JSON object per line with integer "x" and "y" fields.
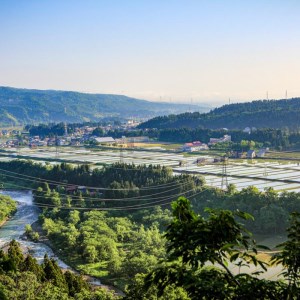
{"x": 224, "y": 182}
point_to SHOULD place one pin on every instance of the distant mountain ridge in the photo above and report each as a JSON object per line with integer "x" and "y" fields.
{"x": 27, "y": 106}
{"x": 259, "y": 114}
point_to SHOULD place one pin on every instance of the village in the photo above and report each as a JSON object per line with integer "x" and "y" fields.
{"x": 83, "y": 136}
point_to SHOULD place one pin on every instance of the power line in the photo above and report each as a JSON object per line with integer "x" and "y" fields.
{"x": 78, "y": 198}
{"x": 52, "y": 182}
{"x": 136, "y": 207}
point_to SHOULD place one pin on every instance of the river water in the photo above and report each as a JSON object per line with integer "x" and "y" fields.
{"x": 26, "y": 213}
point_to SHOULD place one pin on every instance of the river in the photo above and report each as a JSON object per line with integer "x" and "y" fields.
{"x": 26, "y": 213}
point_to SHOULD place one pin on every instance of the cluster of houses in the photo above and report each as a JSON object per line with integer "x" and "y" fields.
{"x": 127, "y": 125}
{"x": 250, "y": 154}
{"x": 249, "y": 130}
{"x": 194, "y": 146}
{"x": 9, "y": 132}
{"x": 36, "y": 141}
{"x": 226, "y": 138}
{"x": 76, "y": 140}
{"x": 84, "y": 134}
{"x": 198, "y": 146}
{"x": 123, "y": 141}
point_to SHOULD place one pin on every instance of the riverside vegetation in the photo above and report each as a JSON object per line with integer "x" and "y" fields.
{"x": 156, "y": 253}
{"x": 7, "y": 207}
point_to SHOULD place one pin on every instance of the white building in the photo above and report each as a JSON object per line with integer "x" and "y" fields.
{"x": 194, "y": 146}
{"x": 105, "y": 140}
{"x": 247, "y": 130}
{"x": 224, "y": 139}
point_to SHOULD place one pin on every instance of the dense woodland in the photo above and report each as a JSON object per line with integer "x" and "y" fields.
{"x": 259, "y": 114}
{"x": 129, "y": 184}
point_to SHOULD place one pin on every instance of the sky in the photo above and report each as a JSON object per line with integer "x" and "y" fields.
{"x": 162, "y": 50}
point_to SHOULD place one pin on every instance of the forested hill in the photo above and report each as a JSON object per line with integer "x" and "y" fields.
{"x": 259, "y": 114}
{"x": 24, "y": 106}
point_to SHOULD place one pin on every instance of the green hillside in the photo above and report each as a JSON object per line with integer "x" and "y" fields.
{"x": 259, "y": 114}
{"x": 24, "y": 106}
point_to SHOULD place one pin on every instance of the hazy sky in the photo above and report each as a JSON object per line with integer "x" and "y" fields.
{"x": 156, "y": 49}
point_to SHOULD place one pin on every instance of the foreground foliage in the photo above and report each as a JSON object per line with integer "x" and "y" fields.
{"x": 199, "y": 251}
{"x": 21, "y": 277}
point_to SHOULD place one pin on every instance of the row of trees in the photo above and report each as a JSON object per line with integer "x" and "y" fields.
{"x": 136, "y": 184}
{"x": 139, "y": 176}
{"x": 53, "y": 129}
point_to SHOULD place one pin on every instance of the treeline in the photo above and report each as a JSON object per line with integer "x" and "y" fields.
{"x": 49, "y": 130}
{"x": 21, "y": 277}
{"x": 136, "y": 184}
{"x": 267, "y": 137}
{"x": 7, "y": 207}
{"x": 53, "y": 129}
{"x": 267, "y": 207}
{"x": 259, "y": 114}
